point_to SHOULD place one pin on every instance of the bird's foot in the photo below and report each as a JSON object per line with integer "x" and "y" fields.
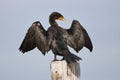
{"x": 55, "y": 60}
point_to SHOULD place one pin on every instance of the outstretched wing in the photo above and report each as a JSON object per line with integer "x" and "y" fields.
{"x": 35, "y": 37}
{"x": 78, "y": 37}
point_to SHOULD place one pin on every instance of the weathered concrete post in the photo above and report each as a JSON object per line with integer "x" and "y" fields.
{"x": 61, "y": 70}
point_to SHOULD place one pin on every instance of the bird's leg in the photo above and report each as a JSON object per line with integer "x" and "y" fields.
{"x": 63, "y": 58}
{"x": 55, "y": 58}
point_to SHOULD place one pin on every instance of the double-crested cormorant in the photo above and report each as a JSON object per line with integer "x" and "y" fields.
{"x": 57, "y": 38}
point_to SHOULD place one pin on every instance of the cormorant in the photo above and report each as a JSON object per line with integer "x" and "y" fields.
{"x": 56, "y": 38}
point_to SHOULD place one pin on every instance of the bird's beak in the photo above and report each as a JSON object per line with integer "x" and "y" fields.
{"x": 61, "y": 18}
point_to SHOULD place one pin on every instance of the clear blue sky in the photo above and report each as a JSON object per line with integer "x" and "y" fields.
{"x": 101, "y": 18}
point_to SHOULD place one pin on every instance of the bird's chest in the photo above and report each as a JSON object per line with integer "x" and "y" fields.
{"x": 57, "y": 33}
{"x": 58, "y": 38}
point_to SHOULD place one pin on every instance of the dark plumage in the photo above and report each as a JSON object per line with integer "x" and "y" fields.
{"x": 57, "y": 38}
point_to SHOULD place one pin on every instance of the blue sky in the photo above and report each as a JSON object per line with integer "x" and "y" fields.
{"x": 101, "y": 19}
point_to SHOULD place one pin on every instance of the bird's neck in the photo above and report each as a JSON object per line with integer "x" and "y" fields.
{"x": 53, "y": 22}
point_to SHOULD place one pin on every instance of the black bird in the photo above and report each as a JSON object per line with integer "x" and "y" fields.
{"x": 56, "y": 38}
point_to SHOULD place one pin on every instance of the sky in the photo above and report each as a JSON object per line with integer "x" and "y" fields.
{"x": 101, "y": 19}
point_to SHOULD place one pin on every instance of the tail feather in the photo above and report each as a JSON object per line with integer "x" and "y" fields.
{"x": 71, "y": 58}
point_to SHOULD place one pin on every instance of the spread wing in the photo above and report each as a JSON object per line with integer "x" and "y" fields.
{"x": 77, "y": 37}
{"x": 35, "y": 37}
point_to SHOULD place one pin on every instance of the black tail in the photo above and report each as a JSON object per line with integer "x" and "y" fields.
{"x": 71, "y": 58}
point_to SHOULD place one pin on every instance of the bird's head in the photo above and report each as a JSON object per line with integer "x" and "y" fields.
{"x": 56, "y": 16}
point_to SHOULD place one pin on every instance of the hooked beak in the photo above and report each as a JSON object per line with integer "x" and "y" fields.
{"x": 61, "y": 18}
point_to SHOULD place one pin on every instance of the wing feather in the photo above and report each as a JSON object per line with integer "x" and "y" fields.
{"x": 35, "y": 37}
{"x": 78, "y": 37}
